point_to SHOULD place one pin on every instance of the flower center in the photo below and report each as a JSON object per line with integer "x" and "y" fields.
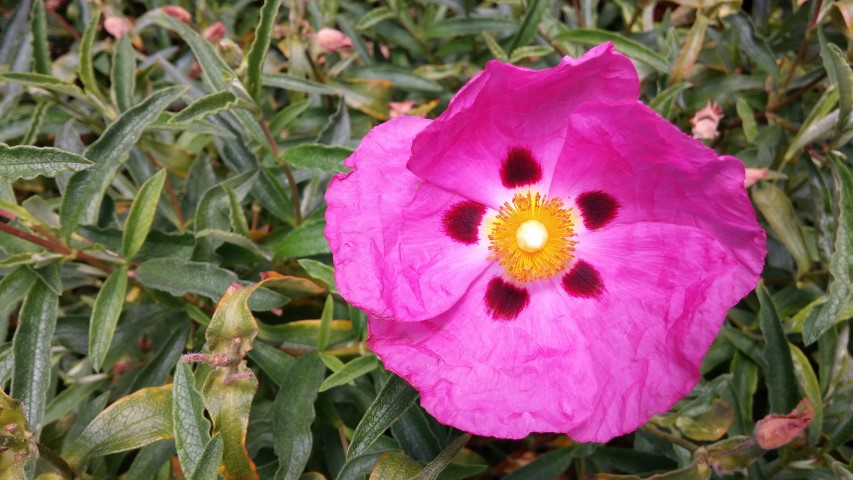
{"x": 531, "y": 237}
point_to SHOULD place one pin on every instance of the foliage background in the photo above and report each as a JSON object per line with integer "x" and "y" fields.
{"x": 142, "y": 177}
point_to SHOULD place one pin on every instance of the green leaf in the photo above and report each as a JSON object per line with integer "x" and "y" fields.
{"x": 527, "y": 32}
{"x": 86, "y": 189}
{"x": 758, "y": 51}
{"x": 31, "y": 374}
{"x": 373, "y": 17}
{"x": 105, "y": 314}
{"x": 123, "y": 74}
{"x": 294, "y": 414}
{"x": 86, "y": 68}
{"x": 811, "y": 388}
{"x": 841, "y": 263}
{"x": 272, "y": 361}
{"x": 495, "y": 47}
{"x": 820, "y": 120}
{"x": 747, "y": 116}
{"x": 469, "y": 26}
{"x": 631, "y": 48}
{"x": 318, "y": 157}
{"x": 36, "y": 122}
{"x": 141, "y": 215}
{"x": 319, "y": 271}
{"x": 352, "y": 370}
{"x": 19, "y": 446}
{"x": 288, "y": 114}
{"x": 432, "y": 470}
{"x": 260, "y": 45}
{"x": 204, "y": 106}
{"x": 229, "y": 403}
{"x": 41, "y": 50}
{"x": 24, "y": 161}
{"x": 841, "y": 75}
{"x": 70, "y": 399}
{"x": 303, "y": 241}
{"x": 47, "y": 82}
{"x": 521, "y": 53}
{"x": 777, "y": 209}
{"x": 302, "y": 334}
{"x": 133, "y": 421}
{"x": 208, "y": 462}
{"x": 690, "y": 49}
{"x": 396, "y": 397}
{"x": 395, "y": 466}
{"x": 325, "y": 323}
{"x": 550, "y": 465}
{"x": 289, "y": 82}
{"x": 402, "y": 78}
{"x": 191, "y": 428}
{"x": 779, "y": 376}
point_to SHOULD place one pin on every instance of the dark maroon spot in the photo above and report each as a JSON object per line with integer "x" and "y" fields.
{"x": 520, "y": 168}
{"x": 583, "y": 280}
{"x": 598, "y": 208}
{"x": 462, "y": 221}
{"x": 505, "y": 301}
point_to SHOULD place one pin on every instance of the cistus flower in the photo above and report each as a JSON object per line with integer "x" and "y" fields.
{"x": 548, "y": 255}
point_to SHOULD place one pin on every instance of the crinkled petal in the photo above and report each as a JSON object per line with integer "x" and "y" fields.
{"x": 658, "y": 174}
{"x": 495, "y": 377}
{"x": 508, "y": 107}
{"x": 384, "y": 227}
{"x": 594, "y": 368}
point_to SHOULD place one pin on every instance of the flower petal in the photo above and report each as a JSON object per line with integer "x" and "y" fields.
{"x": 387, "y": 232}
{"x": 656, "y": 173}
{"x": 593, "y": 366}
{"x": 506, "y": 110}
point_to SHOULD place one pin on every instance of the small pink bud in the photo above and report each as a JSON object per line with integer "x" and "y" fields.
{"x": 706, "y": 121}
{"x": 116, "y": 26}
{"x": 214, "y": 33}
{"x": 178, "y": 12}
{"x": 773, "y": 431}
{"x": 399, "y": 109}
{"x": 333, "y": 40}
{"x": 753, "y": 175}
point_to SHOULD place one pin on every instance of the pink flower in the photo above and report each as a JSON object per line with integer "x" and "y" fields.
{"x": 179, "y": 13}
{"x": 706, "y": 121}
{"x": 117, "y": 27}
{"x": 214, "y": 33}
{"x": 548, "y": 255}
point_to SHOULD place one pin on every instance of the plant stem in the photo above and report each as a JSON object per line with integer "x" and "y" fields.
{"x": 56, "y": 462}
{"x": 671, "y": 438}
{"x": 294, "y": 191}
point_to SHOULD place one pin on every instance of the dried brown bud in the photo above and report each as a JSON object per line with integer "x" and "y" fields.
{"x": 774, "y": 431}
{"x": 706, "y": 121}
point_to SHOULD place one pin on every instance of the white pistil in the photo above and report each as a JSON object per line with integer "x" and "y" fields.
{"x": 531, "y": 236}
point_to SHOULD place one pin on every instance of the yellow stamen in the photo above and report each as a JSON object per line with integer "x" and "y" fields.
{"x": 531, "y": 237}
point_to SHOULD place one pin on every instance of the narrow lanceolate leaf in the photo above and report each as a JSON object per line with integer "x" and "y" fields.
{"x": 229, "y": 404}
{"x": 373, "y": 17}
{"x": 204, "y": 106}
{"x": 25, "y": 161}
{"x": 839, "y": 71}
{"x": 318, "y": 157}
{"x": 207, "y": 467}
{"x": 31, "y": 346}
{"x": 325, "y": 323}
{"x": 841, "y": 263}
{"x": 631, "y": 48}
{"x": 123, "y": 74}
{"x": 469, "y": 26}
{"x": 527, "y": 31}
{"x": 779, "y": 376}
{"x": 747, "y": 117}
{"x": 14, "y": 285}
{"x": 294, "y": 414}
{"x": 811, "y": 388}
{"x": 141, "y": 215}
{"x": 105, "y": 314}
{"x": 395, "y": 398}
{"x": 36, "y": 122}
{"x": 85, "y": 190}
{"x": 45, "y": 81}
{"x": 550, "y": 465}
{"x": 352, "y": 370}
{"x": 41, "y": 50}
{"x": 395, "y": 466}
{"x": 133, "y": 421}
{"x": 260, "y": 45}
{"x": 689, "y": 50}
{"x": 779, "y": 212}
{"x": 87, "y": 69}
{"x": 192, "y": 430}
{"x": 432, "y": 470}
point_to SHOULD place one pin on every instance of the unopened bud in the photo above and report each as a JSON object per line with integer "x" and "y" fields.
{"x": 179, "y": 13}
{"x": 214, "y": 33}
{"x": 333, "y": 40}
{"x": 706, "y": 121}
{"x": 116, "y": 26}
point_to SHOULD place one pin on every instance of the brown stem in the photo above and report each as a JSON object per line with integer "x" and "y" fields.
{"x": 170, "y": 192}
{"x": 56, "y": 462}
{"x": 294, "y": 192}
{"x": 56, "y": 247}
{"x": 64, "y": 24}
